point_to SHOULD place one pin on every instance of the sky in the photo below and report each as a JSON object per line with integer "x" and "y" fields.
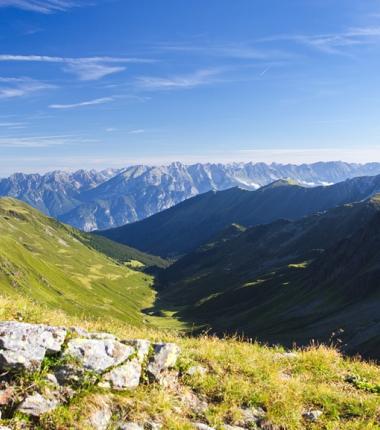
{"x": 109, "y": 83}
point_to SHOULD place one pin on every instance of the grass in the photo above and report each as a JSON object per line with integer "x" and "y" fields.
{"x": 44, "y": 261}
{"x": 240, "y": 374}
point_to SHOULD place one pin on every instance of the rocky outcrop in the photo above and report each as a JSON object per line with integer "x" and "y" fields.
{"x": 74, "y": 359}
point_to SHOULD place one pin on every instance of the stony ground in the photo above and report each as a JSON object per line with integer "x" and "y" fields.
{"x": 72, "y": 373}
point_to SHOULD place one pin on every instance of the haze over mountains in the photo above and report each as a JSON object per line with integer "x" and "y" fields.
{"x": 92, "y": 200}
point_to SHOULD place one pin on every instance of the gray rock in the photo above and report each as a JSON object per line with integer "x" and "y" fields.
{"x": 24, "y": 346}
{"x": 37, "y": 405}
{"x": 126, "y": 376}
{"x": 100, "y": 418}
{"x": 165, "y": 357}
{"x": 129, "y": 426}
{"x": 196, "y": 370}
{"x": 228, "y": 427}
{"x": 152, "y": 426}
{"x": 4, "y": 427}
{"x": 142, "y": 347}
{"x": 98, "y": 355}
{"x": 201, "y": 426}
{"x": 251, "y": 416}
{"x": 80, "y": 332}
{"x": 312, "y": 415}
{"x": 69, "y": 375}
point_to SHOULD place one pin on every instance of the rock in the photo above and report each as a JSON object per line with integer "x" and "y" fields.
{"x": 165, "y": 357}
{"x": 196, "y": 370}
{"x": 251, "y": 416}
{"x": 228, "y": 427}
{"x": 267, "y": 425}
{"x": 201, "y": 426}
{"x": 37, "y": 405}
{"x": 193, "y": 402}
{"x": 142, "y": 347}
{"x": 69, "y": 374}
{"x": 51, "y": 379}
{"x": 101, "y": 417}
{"x": 6, "y": 396}
{"x": 80, "y": 332}
{"x": 98, "y": 355}
{"x": 4, "y": 428}
{"x": 126, "y": 376}
{"x": 312, "y": 415}
{"x": 24, "y": 346}
{"x": 152, "y": 426}
{"x": 129, "y": 426}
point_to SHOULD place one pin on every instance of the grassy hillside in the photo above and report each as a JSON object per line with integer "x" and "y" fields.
{"x": 239, "y": 375}
{"x": 182, "y": 228}
{"x": 44, "y": 260}
{"x": 287, "y": 281}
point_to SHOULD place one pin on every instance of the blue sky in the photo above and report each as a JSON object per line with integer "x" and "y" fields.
{"x": 103, "y": 83}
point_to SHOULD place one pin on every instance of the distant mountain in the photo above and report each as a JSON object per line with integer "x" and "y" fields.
{"x": 287, "y": 282}
{"x": 92, "y": 200}
{"x": 184, "y": 227}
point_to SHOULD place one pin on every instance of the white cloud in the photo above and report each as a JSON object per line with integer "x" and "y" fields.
{"x": 42, "y": 6}
{"x": 85, "y": 68}
{"x": 137, "y": 131}
{"x": 41, "y": 141}
{"x": 333, "y": 43}
{"x": 200, "y": 77}
{"x": 19, "y": 87}
{"x": 82, "y": 104}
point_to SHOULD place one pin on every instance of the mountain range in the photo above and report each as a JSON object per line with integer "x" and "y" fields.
{"x": 91, "y": 200}
{"x": 182, "y": 228}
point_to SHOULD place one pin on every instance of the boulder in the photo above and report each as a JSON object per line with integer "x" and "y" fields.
{"x": 165, "y": 357}
{"x": 126, "y": 376}
{"x": 196, "y": 370}
{"x": 80, "y": 332}
{"x": 142, "y": 347}
{"x": 24, "y": 346}
{"x": 37, "y": 405}
{"x": 98, "y": 355}
{"x": 251, "y": 416}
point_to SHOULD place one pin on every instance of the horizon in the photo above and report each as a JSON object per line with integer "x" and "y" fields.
{"x": 123, "y": 167}
{"x": 275, "y": 82}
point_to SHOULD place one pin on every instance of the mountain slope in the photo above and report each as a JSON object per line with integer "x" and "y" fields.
{"x": 183, "y": 228}
{"x": 287, "y": 281}
{"x": 92, "y": 200}
{"x": 44, "y": 260}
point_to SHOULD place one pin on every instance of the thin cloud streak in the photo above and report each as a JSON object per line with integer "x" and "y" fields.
{"x": 198, "y": 78}
{"x": 20, "y": 87}
{"x": 43, "y": 6}
{"x": 41, "y": 141}
{"x": 84, "y": 68}
{"x": 94, "y": 102}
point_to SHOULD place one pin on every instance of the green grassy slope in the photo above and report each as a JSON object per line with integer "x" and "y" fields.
{"x": 44, "y": 260}
{"x": 181, "y": 229}
{"x": 275, "y": 282}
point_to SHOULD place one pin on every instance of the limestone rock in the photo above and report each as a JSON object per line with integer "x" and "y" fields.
{"x": 126, "y": 376}
{"x": 129, "y": 426}
{"x": 312, "y": 415}
{"x": 142, "y": 347}
{"x": 24, "y": 346}
{"x": 201, "y": 426}
{"x": 98, "y": 355}
{"x": 37, "y": 405}
{"x": 165, "y": 357}
{"x": 196, "y": 370}
{"x": 101, "y": 417}
{"x": 251, "y": 416}
{"x": 80, "y": 332}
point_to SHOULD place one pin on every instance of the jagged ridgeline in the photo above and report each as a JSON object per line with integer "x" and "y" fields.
{"x": 56, "y": 265}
